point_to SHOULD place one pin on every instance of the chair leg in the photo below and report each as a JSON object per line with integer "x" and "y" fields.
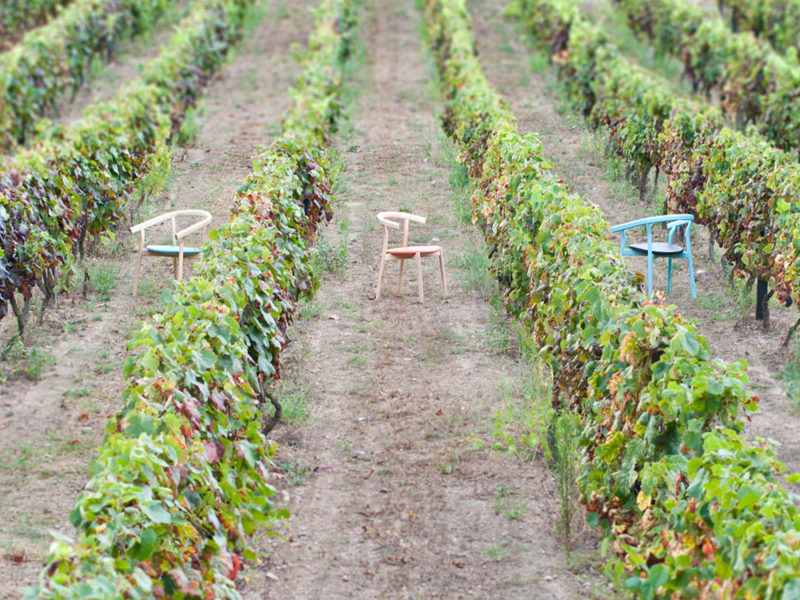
{"x": 669, "y": 274}
{"x": 180, "y": 268}
{"x": 419, "y": 277}
{"x": 138, "y": 271}
{"x": 650, "y": 274}
{"x": 441, "y": 269}
{"x": 380, "y": 277}
{"x": 400, "y": 277}
{"x": 691, "y": 274}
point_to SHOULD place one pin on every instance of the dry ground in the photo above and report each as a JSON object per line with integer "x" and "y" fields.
{"x": 49, "y": 428}
{"x": 393, "y": 489}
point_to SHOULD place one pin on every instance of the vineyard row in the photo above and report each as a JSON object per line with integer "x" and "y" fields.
{"x": 54, "y": 60}
{"x": 755, "y": 84}
{"x": 777, "y": 21}
{"x": 18, "y": 16}
{"x": 740, "y": 186}
{"x": 66, "y": 187}
{"x": 182, "y": 479}
{"x": 688, "y": 504}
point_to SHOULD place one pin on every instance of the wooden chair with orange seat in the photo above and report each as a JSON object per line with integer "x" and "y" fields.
{"x": 389, "y": 220}
{"x": 178, "y": 249}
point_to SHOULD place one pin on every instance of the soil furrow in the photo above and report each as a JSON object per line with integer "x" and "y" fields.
{"x": 393, "y": 489}
{"x": 49, "y": 429}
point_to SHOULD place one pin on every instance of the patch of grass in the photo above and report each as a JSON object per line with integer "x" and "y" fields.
{"x": 72, "y": 395}
{"x": 293, "y": 398}
{"x": 498, "y": 550}
{"x": 510, "y": 505}
{"x": 538, "y": 62}
{"x": 790, "y": 376}
{"x": 294, "y": 472}
{"x": 332, "y": 259}
{"x": 103, "y": 279}
{"x": 566, "y": 427}
{"x": 21, "y": 362}
{"x": 500, "y": 335}
{"x": 187, "y": 134}
{"x": 310, "y": 309}
{"x": 521, "y": 426}
{"x": 473, "y": 274}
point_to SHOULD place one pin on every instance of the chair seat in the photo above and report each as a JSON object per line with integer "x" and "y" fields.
{"x": 659, "y": 248}
{"x": 167, "y": 250}
{"x": 410, "y": 251}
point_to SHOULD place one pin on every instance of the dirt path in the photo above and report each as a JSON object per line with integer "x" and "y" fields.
{"x": 393, "y": 489}
{"x": 530, "y": 87}
{"x": 49, "y": 429}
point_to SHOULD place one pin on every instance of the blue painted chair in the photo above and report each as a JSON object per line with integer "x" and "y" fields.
{"x": 653, "y": 249}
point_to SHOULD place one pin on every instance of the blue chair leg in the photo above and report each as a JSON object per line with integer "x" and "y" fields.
{"x": 669, "y": 274}
{"x": 650, "y": 274}
{"x": 691, "y": 274}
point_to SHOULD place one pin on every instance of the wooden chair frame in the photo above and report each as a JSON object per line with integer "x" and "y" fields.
{"x": 406, "y": 252}
{"x": 178, "y": 248}
{"x": 674, "y": 222}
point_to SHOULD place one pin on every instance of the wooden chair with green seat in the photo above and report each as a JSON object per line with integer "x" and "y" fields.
{"x": 652, "y": 249}
{"x": 406, "y": 252}
{"x": 178, "y": 250}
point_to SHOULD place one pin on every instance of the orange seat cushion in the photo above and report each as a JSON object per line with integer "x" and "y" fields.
{"x": 410, "y": 251}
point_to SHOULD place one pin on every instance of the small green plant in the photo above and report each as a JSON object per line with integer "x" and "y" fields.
{"x": 23, "y": 362}
{"x": 293, "y": 398}
{"x": 294, "y": 472}
{"x": 510, "y": 505}
{"x": 498, "y": 550}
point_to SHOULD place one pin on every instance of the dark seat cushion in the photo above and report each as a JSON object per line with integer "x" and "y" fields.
{"x": 659, "y": 248}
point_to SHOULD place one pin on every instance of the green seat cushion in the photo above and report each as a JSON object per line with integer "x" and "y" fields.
{"x": 167, "y": 250}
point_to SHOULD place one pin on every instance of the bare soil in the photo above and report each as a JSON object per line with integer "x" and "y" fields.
{"x": 530, "y": 87}
{"x": 393, "y": 489}
{"x": 50, "y": 428}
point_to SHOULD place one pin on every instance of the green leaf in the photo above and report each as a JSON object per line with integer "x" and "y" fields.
{"x": 156, "y": 512}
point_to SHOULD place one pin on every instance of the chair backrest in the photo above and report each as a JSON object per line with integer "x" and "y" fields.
{"x": 386, "y": 219}
{"x": 202, "y": 223}
{"x": 672, "y": 221}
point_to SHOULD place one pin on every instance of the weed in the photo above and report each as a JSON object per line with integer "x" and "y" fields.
{"x": 474, "y": 271}
{"x": 508, "y": 505}
{"x": 293, "y": 397}
{"x": 103, "y": 279}
{"x": 23, "y": 362}
{"x": 309, "y": 309}
{"x": 500, "y": 335}
{"x": 330, "y": 259}
{"x": 71, "y": 395}
{"x": 791, "y": 374}
{"x": 294, "y": 472}
{"x": 498, "y": 550}
{"x": 187, "y": 134}
{"x": 566, "y": 427}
